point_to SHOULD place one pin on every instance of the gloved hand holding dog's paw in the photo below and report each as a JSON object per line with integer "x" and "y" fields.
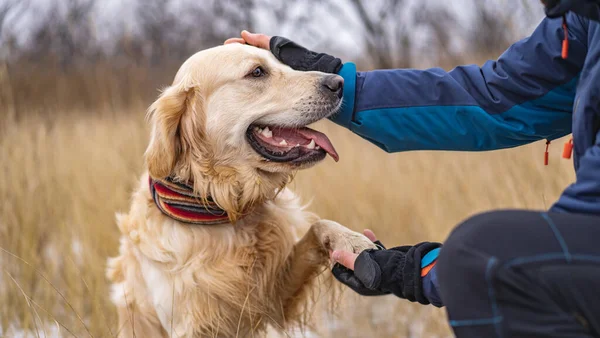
{"x": 291, "y": 53}
{"x": 385, "y": 271}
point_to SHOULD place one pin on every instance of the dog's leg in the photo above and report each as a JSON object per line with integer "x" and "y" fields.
{"x": 134, "y": 323}
{"x": 135, "y": 319}
{"x": 310, "y": 257}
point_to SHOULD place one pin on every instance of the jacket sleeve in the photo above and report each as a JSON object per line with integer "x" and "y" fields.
{"x": 431, "y": 286}
{"x": 524, "y": 96}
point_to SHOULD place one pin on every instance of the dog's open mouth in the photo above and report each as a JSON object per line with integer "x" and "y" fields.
{"x": 293, "y": 145}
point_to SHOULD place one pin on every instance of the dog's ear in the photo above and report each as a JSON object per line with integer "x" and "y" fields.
{"x": 165, "y": 118}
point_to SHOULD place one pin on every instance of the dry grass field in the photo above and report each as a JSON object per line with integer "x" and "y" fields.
{"x": 64, "y": 173}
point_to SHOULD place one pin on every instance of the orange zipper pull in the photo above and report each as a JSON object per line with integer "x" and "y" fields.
{"x": 568, "y": 149}
{"x": 546, "y": 153}
{"x": 565, "y": 43}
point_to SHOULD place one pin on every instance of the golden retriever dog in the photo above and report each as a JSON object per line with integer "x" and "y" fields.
{"x": 231, "y": 129}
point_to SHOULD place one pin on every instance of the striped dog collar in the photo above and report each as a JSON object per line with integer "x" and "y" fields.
{"x": 178, "y": 201}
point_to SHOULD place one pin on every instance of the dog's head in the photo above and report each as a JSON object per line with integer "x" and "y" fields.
{"x": 238, "y": 116}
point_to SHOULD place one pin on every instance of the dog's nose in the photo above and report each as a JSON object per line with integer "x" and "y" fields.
{"x": 334, "y": 83}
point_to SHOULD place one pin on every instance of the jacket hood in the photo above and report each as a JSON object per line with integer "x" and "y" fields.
{"x": 586, "y": 8}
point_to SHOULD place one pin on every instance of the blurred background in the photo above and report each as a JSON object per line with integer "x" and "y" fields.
{"x": 77, "y": 75}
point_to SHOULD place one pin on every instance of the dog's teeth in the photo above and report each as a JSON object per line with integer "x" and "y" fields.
{"x": 311, "y": 145}
{"x": 297, "y": 145}
{"x": 317, "y": 147}
{"x": 283, "y": 143}
{"x": 267, "y": 133}
{"x": 257, "y": 129}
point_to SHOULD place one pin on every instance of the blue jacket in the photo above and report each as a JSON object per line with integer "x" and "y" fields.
{"x": 530, "y": 93}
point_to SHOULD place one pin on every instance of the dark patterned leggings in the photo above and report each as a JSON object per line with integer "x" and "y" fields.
{"x": 523, "y": 274}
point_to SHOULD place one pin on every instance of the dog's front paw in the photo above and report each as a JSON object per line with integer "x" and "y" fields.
{"x": 334, "y": 236}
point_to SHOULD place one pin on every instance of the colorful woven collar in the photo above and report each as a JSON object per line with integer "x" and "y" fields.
{"x": 178, "y": 201}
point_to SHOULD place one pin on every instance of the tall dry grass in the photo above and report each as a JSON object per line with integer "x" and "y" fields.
{"x": 66, "y": 172}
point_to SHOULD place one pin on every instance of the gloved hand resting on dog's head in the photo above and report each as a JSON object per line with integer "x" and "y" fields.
{"x": 291, "y": 53}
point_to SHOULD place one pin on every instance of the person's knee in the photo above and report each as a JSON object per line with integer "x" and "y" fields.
{"x": 465, "y": 255}
{"x": 473, "y": 241}
{"x": 478, "y": 227}
{"x": 489, "y": 227}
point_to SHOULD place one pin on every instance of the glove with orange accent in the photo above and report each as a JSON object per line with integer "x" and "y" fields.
{"x": 389, "y": 271}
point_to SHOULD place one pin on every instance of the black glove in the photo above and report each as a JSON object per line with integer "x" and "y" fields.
{"x": 346, "y": 276}
{"x": 300, "y": 58}
{"x": 381, "y": 272}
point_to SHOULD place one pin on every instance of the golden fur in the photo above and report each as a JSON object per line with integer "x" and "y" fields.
{"x": 180, "y": 280}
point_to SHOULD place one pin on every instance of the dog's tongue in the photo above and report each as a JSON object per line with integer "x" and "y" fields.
{"x": 303, "y": 137}
{"x": 321, "y": 140}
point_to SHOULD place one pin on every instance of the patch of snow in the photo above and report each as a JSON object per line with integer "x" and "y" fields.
{"x": 77, "y": 249}
{"x": 47, "y": 331}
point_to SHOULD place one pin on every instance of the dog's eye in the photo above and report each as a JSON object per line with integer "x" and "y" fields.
{"x": 258, "y": 72}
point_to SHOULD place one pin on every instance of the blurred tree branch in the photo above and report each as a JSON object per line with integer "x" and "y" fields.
{"x": 66, "y": 35}
{"x": 7, "y": 39}
{"x": 492, "y": 30}
{"x": 384, "y": 34}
